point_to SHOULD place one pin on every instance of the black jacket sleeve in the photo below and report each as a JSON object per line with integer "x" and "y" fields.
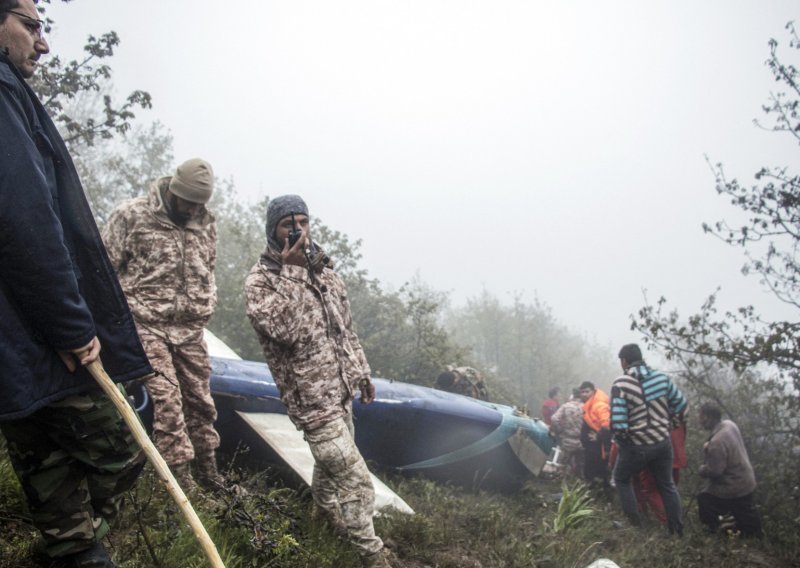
{"x": 36, "y": 271}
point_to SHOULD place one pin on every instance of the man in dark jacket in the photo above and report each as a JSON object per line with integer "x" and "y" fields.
{"x": 59, "y": 301}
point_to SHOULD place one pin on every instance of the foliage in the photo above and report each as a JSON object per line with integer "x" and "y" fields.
{"x": 404, "y": 338}
{"x": 400, "y": 331}
{"x": 574, "y": 508}
{"x": 123, "y": 169}
{"x": 770, "y": 240}
{"x": 240, "y": 242}
{"x": 453, "y": 527}
{"x": 60, "y": 81}
{"x": 748, "y": 365}
{"x": 526, "y": 348}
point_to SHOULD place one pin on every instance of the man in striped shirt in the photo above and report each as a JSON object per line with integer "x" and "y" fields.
{"x": 645, "y": 404}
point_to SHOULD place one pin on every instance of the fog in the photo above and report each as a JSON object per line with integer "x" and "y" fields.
{"x": 554, "y": 149}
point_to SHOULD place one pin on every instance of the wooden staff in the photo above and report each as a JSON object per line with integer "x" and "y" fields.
{"x": 130, "y": 418}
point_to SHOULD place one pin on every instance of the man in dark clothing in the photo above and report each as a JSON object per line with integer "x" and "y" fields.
{"x": 731, "y": 479}
{"x": 644, "y": 406}
{"x": 59, "y": 299}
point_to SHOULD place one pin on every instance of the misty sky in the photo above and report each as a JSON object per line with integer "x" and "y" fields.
{"x": 550, "y": 148}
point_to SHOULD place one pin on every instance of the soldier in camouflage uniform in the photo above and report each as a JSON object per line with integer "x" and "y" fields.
{"x": 299, "y": 308}
{"x": 163, "y": 247}
{"x": 463, "y": 380}
{"x": 59, "y": 300}
{"x": 566, "y": 426}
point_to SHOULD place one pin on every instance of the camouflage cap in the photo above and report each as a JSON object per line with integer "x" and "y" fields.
{"x": 279, "y": 208}
{"x": 193, "y": 181}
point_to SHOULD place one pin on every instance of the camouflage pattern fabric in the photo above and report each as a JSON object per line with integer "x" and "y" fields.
{"x": 184, "y": 412}
{"x": 475, "y": 380}
{"x": 467, "y": 381}
{"x": 166, "y": 271}
{"x": 75, "y": 459}
{"x": 306, "y": 331}
{"x": 566, "y": 425}
{"x": 167, "y": 274}
{"x": 305, "y": 327}
{"x": 341, "y": 485}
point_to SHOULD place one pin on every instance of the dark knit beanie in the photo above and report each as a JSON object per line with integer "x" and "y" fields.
{"x": 279, "y": 208}
{"x": 193, "y": 181}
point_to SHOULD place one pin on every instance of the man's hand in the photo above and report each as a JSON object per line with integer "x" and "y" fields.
{"x": 296, "y": 253}
{"x": 85, "y": 355}
{"x": 367, "y": 391}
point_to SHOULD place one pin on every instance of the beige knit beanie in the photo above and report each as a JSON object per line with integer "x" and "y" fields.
{"x": 193, "y": 181}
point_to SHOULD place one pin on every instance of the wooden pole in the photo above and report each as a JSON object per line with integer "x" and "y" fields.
{"x": 129, "y": 416}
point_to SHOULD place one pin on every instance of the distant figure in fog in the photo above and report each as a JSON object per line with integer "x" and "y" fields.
{"x": 550, "y": 405}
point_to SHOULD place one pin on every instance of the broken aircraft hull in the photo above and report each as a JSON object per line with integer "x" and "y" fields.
{"x": 408, "y": 428}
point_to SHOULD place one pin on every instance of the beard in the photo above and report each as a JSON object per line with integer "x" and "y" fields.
{"x": 174, "y": 215}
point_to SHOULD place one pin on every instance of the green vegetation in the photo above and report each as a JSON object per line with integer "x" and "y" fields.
{"x": 453, "y": 528}
{"x": 750, "y": 366}
{"x": 575, "y": 507}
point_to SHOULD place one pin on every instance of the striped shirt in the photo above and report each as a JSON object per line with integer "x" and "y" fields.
{"x": 643, "y": 402}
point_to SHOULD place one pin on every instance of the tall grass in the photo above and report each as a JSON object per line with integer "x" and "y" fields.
{"x": 544, "y": 525}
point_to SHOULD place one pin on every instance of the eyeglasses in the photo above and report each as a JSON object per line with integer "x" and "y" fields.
{"x": 35, "y": 26}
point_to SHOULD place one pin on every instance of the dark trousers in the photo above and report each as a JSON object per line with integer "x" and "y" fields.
{"x": 596, "y": 447}
{"x": 657, "y": 459}
{"x": 743, "y": 509}
{"x": 595, "y": 468}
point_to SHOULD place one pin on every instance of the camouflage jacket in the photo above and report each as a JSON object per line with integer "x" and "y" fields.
{"x": 467, "y": 381}
{"x": 566, "y": 424}
{"x": 166, "y": 271}
{"x": 306, "y": 330}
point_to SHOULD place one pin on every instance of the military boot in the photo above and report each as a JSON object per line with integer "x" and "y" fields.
{"x": 381, "y": 559}
{"x": 208, "y": 475}
{"x": 94, "y": 557}
{"x": 183, "y": 475}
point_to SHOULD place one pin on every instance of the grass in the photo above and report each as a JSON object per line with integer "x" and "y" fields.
{"x": 575, "y": 507}
{"x": 544, "y": 525}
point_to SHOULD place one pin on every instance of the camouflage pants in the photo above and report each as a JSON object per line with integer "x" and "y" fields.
{"x": 75, "y": 459}
{"x": 342, "y": 486}
{"x": 184, "y": 412}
